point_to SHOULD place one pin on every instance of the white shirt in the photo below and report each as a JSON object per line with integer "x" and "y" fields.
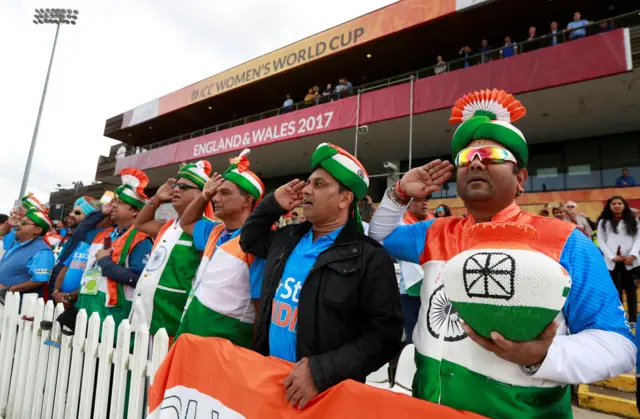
{"x": 609, "y": 242}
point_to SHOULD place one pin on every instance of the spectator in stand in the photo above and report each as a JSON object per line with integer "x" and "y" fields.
{"x": 577, "y": 27}
{"x": 509, "y": 49}
{"x": 441, "y": 65}
{"x": 605, "y": 26}
{"x": 81, "y": 208}
{"x": 27, "y": 263}
{"x": 557, "y": 35}
{"x": 344, "y": 85}
{"x": 316, "y": 92}
{"x": 7, "y": 230}
{"x": 465, "y": 52}
{"x": 287, "y": 106}
{"x": 558, "y": 212}
{"x": 308, "y": 99}
{"x": 442, "y": 211}
{"x": 485, "y": 50}
{"x": 328, "y": 91}
{"x": 349, "y": 320}
{"x": 579, "y": 219}
{"x": 625, "y": 180}
{"x": 532, "y": 33}
{"x": 3, "y": 219}
{"x": 619, "y": 241}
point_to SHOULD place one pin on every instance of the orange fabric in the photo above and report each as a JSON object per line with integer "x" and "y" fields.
{"x": 440, "y": 246}
{"x": 408, "y": 218}
{"x": 251, "y": 385}
{"x": 164, "y": 228}
{"x": 117, "y": 245}
{"x": 213, "y": 239}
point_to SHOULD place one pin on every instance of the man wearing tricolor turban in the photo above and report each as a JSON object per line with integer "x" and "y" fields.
{"x": 330, "y": 301}
{"x": 116, "y": 255}
{"x": 227, "y": 285}
{"x": 165, "y": 283}
{"x": 26, "y": 265}
{"x": 8, "y": 229}
{"x": 526, "y": 377}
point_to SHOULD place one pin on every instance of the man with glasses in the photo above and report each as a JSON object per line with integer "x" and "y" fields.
{"x": 227, "y": 286}
{"x": 165, "y": 283}
{"x": 8, "y": 229}
{"x": 589, "y": 340}
{"x": 26, "y": 265}
{"x": 72, "y": 259}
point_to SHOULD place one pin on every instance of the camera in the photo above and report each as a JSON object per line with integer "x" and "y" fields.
{"x": 390, "y": 168}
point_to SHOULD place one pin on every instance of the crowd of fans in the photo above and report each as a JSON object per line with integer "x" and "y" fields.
{"x": 314, "y": 96}
{"x": 575, "y": 29}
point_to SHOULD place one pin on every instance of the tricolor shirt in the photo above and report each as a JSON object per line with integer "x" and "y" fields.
{"x": 226, "y": 282}
{"x": 593, "y": 342}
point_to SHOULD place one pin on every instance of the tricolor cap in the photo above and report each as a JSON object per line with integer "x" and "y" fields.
{"x": 39, "y": 218}
{"x": 238, "y": 172}
{"x": 197, "y": 173}
{"x": 132, "y": 190}
{"x": 487, "y": 115}
{"x": 30, "y": 201}
{"x": 343, "y": 166}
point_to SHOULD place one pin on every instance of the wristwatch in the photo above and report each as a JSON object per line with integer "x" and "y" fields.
{"x": 532, "y": 369}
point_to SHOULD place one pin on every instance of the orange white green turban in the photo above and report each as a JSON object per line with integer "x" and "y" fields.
{"x": 487, "y": 115}
{"x": 132, "y": 190}
{"x": 238, "y": 172}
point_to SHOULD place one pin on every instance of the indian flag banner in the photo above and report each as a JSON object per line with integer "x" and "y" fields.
{"x": 212, "y": 378}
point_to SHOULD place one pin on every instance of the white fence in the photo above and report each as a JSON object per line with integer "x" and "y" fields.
{"x": 47, "y": 373}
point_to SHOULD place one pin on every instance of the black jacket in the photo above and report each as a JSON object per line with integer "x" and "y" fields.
{"x": 349, "y": 315}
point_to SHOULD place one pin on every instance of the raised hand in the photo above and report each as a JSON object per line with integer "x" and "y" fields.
{"x": 211, "y": 187}
{"x": 425, "y": 180}
{"x": 165, "y": 192}
{"x": 289, "y": 195}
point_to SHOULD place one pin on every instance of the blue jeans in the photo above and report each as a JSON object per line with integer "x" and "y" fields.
{"x": 410, "y": 311}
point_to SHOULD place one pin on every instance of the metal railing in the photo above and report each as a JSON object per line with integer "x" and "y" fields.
{"x": 548, "y": 40}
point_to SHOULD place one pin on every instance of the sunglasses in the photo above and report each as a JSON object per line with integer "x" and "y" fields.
{"x": 487, "y": 154}
{"x": 77, "y": 212}
{"x": 26, "y": 223}
{"x": 570, "y": 206}
{"x": 183, "y": 186}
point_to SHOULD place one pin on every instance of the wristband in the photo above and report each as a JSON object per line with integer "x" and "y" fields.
{"x": 392, "y": 196}
{"x": 400, "y": 193}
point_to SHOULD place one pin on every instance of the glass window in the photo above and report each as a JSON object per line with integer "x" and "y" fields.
{"x": 582, "y": 158}
{"x": 546, "y": 167}
{"x": 620, "y": 151}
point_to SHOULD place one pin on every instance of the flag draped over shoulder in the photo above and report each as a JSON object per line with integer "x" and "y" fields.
{"x": 218, "y": 379}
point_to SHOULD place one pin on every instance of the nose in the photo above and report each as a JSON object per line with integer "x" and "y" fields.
{"x": 307, "y": 189}
{"x": 476, "y": 164}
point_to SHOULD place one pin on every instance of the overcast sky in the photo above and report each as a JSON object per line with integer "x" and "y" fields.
{"x": 121, "y": 54}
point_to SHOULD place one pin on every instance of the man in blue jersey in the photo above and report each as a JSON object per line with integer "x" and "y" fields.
{"x": 589, "y": 340}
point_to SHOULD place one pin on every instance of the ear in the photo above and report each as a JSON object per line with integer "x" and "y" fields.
{"x": 346, "y": 199}
{"x": 521, "y": 177}
{"x": 249, "y": 201}
{"x": 39, "y": 231}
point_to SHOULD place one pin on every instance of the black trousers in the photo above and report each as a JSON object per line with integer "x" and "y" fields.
{"x": 623, "y": 280}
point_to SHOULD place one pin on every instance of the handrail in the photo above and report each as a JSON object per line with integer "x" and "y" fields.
{"x": 452, "y": 65}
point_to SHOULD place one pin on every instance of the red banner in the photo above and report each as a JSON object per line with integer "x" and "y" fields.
{"x": 311, "y": 121}
{"x": 592, "y": 57}
{"x": 212, "y": 378}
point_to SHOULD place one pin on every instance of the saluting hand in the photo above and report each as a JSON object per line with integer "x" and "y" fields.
{"x": 211, "y": 187}
{"x": 425, "y": 180}
{"x": 289, "y": 196}
{"x": 165, "y": 192}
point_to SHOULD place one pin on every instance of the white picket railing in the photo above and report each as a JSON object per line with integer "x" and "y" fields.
{"x": 47, "y": 373}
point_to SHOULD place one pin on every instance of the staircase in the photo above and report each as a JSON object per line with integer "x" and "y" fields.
{"x": 616, "y": 396}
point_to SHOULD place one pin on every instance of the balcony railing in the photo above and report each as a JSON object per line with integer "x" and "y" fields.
{"x": 548, "y": 40}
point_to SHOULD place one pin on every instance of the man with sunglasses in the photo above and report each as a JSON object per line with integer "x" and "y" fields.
{"x": 165, "y": 283}
{"x": 8, "y": 229}
{"x": 227, "y": 286}
{"x": 26, "y": 265}
{"x": 589, "y": 340}
{"x": 65, "y": 279}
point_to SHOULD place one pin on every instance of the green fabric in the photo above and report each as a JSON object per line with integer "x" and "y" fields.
{"x": 185, "y": 173}
{"x": 178, "y": 274}
{"x": 136, "y": 203}
{"x": 202, "y": 321}
{"x": 351, "y": 180}
{"x": 455, "y": 386}
{"x": 515, "y": 323}
{"x": 481, "y": 127}
{"x": 32, "y": 214}
{"x": 245, "y": 184}
{"x": 96, "y": 304}
{"x": 414, "y": 290}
